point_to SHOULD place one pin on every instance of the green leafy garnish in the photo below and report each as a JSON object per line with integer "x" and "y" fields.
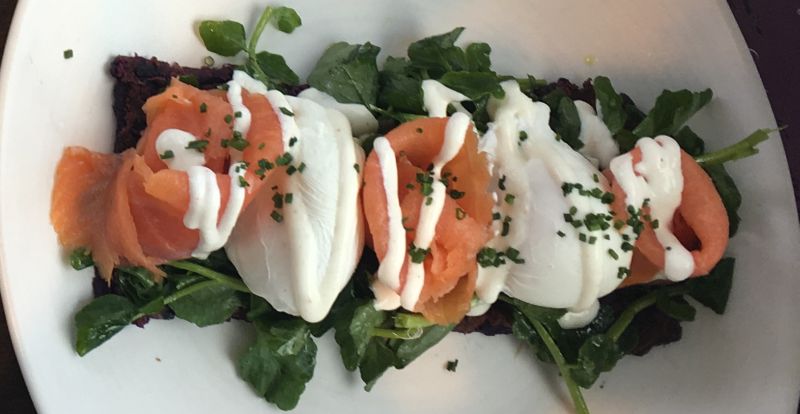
{"x": 348, "y": 72}
{"x": 80, "y": 258}
{"x": 226, "y": 37}
{"x": 671, "y": 111}
{"x": 744, "y": 148}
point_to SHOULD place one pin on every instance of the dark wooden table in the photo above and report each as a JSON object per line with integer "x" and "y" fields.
{"x": 771, "y": 28}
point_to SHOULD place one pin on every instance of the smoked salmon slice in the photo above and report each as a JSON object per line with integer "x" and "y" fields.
{"x": 128, "y": 208}
{"x": 463, "y": 227}
{"x": 700, "y": 223}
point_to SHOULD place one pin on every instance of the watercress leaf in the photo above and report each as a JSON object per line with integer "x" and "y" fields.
{"x": 208, "y": 306}
{"x": 377, "y": 358}
{"x": 280, "y": 362}
{"x": 676, "y": 307}
{"x": 409, "y": 350}
{"x": 137, "y": 284}
{"x": 609, "y": 104}
{"x": 81, "y": 258}
{"x": 731, "y": 197}
{"x": 348, "y": 72}
{"x": 671, "y": 110}
{"x": 353, "y": 326}
{"x": 598, "y": 354}
{"x": 286, "y": 19}
{"x": 533, "y": 312}
{"x": 478, "y": 59}
{"x": 569, "y": 123}
{"x": 101, "y": 319}
{"x": 522, "y": 329}
{"x": 742, "y": 149}
{"x": 625, "y": 140}
{"x": 400, "y": 88}
{"x": 259, "y": 308}
{"x": 437, "y": 54}
{"x": 689, "y": 141}
{"x": 276, "y": 69}
{"x": 224, "y": 37}
{"x": 713, "y": 290}
{"x": 474, "y": 85}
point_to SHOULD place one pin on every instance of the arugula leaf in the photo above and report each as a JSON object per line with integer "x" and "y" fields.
{"x": 744, "y": 148}
{"x": 714, "y": 289}
{"x": 101, "y": 319}
{"x": 731, "y": 197}
{"x": 81, "y": 258}
{"x": 348, "y": 72}
{"x": 354, "y": 326}
{"x": 625, "y": 140}
{"x": 438, "y": 54}
{"x": 609, "y": 104}
{"x": 224, "y": 37}
{"x": 280, "y": 362}
{"x": 671, "y": 111}
{"x": 209, "y": 306}
{"x": 276, "y": 69}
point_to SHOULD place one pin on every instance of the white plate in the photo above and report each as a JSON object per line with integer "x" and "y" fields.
{"x": 746, "y": 361}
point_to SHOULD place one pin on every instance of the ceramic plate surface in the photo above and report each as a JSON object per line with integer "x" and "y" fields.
{"x": 743, "y": 362}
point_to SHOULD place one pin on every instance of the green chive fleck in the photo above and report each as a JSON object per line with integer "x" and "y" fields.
{"x": 168, "y": 154}
{"x": 287, "y": 111}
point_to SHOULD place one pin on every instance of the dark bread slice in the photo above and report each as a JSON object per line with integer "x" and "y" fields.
{"x": 138, "y": 78}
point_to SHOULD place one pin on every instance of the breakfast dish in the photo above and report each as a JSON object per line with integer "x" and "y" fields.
{"x": 392, "y": 204}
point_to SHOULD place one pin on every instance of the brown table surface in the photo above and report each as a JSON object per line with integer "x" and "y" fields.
{"x": 771, "y": 28}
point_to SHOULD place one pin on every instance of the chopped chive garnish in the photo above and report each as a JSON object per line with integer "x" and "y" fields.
{"x": 523, "y": 135}
{"x": 277, "y": 200}
{"x": 582, "y": 237}
{"x": 168, "y": 154}
{"x": 613, "y": 254}
{"x": 460, "y": 213}
{"x": 592, "y": 239}
{"x": 506, "y": 226}
{"x": 228, "y": 119}
{"x": 501, "y": 183}
{"x": 510, "y": 199}
{"x": 417, "y": 254}
{"x": 208, "y": 133}
{"x": 419, "y": 130}
{"x": 513, "y": 255}
{"x": 198, "y": 145}
{"x": 573, "y": 210}
{"x": 262, "y": 145}
{"x": 292, "y": 141}
{"x": 595, "y": 178}
{"x": 243, "y": 182}
{"x": 561, "y": 233}
{"x": 410, "y": 186}
{"x": 626, "y": 247}
{"x": 278, "y": 217}
{"x": 238, "y": 141}
{"x": 301, "y": 167}
{"x": 654, "y": 224}
{"x": 452, "y": 365}
{"x": 288, "y": 198}
{"x": 68, "y": 54}
{"x": 284, "y": 159}
{"x": 455, "y": 194}
{"x": 203, "y": 108}
{"x": 291, "y": 170}
{"x": 489, "y": 257}
{"x": 357, "y": 167}
{"x": 496, "y": 216}
{"x": 287, "y": 111}
{"x": 237, "y": 114}
{"x": 622, "y": 272}
{"x": 428, "y": 201}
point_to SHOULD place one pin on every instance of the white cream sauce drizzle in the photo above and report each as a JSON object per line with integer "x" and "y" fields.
{"x": 430, "y": 212}
{"x": 660, "y": 181}
{"x": 392, "y": 262}
{"x": 204, "y": 204}
{"x": 436, "y": 97}
{"x": 598, "y": 145}
{"x": 175, "y": 142}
